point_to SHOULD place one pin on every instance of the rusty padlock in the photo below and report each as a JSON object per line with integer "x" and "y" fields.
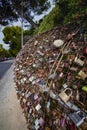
{"x": 64, "y": 96}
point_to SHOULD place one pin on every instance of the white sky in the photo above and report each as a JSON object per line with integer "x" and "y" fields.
{"x": 19, "y": 24}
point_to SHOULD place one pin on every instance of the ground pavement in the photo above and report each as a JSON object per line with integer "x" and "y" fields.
{"x": 11, "y": 117}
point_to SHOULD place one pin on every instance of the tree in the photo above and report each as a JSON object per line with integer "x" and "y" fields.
{"x": 73, "y": 10}
{"x": 1, "y": 46}
{"x": 11, "y": 10}
{"x": 4, "y": 53}
{"x": 12, "y": 36}
{"x": 1, "y": 51}
{"x": 65, "y": 12}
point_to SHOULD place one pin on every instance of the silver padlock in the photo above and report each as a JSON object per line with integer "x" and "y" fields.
{"x": 63, "y": 95}
{"x": 78, "y": 117}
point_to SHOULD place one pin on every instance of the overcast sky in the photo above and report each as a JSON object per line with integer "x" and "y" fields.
{"x": 19, "y": 24}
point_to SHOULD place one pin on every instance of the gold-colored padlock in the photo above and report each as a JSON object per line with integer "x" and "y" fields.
{"x": 64, "y": 96}
{"x": 82, "y": 74}
{"x": 47, "y": 128}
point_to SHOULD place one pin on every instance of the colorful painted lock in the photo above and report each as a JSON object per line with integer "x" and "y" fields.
{"x": 64, "y": 96}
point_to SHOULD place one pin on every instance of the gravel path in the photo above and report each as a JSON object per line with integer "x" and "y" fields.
{"x": 11, "y": 117}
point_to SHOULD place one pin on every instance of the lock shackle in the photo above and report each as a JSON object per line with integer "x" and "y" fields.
{"x": 69, "y": 90}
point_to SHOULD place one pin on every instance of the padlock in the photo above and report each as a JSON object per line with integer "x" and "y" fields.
{"x": 47, "y": 128}
{"x": 38, "y": 100}
{"x": 77, "y": 117}
{"x": 82, "y": 74}
{"x": 85, "y": 50}
{"x": 58, "y": 43}
{"x": 41, "y": 122}
{"x": 84, "y": 88}
{"x": 79, "y": 61}
{"x": 64, "y": 96}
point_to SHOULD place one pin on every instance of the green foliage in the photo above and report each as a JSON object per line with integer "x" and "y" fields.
{"x": 51, "y": 20}
{"x": 11, "y": 10}
{"x": 31, "y": 31}
{"x": 3, "y": 52}
{"x": 12, "y": 36}
{"x": 77, "y": 11}
{"x": 65, "y": 11}
{"x": 1, "y": 46}
{"x": 26, "y": 32}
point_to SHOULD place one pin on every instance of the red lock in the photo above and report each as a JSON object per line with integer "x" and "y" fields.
{"x": 85, "y": 50}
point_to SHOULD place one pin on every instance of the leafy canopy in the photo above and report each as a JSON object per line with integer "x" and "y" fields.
{"x": 4, "y": 53}
{"x": 11, "y": 10}
{"x": 12, "y": 36}
{"x": 65, "y": 12}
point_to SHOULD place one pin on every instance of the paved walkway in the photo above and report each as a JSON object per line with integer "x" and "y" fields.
{"x": 11, "y": 117}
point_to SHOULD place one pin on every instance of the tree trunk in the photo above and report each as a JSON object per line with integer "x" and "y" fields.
{"x": 21, "y": 13}
{"x": 30, "y": 21}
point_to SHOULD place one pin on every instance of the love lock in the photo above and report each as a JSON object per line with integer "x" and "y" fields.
{"x": 64, "y": 96}
{"x": 78, "y": 117}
